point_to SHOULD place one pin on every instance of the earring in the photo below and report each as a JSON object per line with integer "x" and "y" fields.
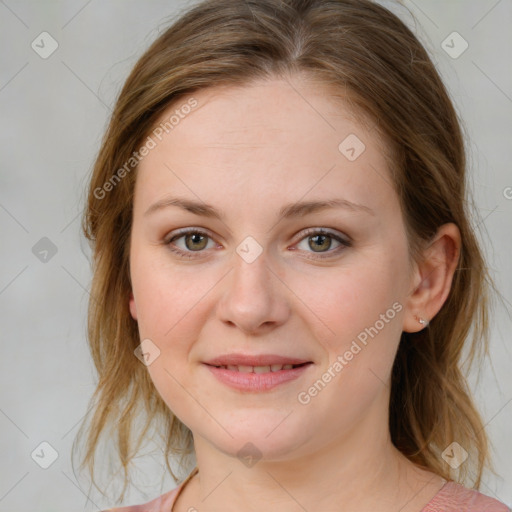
{"x": 422, "y": 321}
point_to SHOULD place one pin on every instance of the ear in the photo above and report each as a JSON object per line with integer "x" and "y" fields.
{"x": 133, "y": 308}
{"x": 433, "y": 277}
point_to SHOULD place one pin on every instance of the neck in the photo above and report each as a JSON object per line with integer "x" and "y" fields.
{"x": 359, "y": 471}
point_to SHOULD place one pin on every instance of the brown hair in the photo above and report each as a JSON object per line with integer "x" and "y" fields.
{"x": 352, "y": 46}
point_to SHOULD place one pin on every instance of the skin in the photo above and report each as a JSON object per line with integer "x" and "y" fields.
{"x": 248, "y": 151}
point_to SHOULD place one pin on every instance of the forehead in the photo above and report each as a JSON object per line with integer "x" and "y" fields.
{"x": 265, "y": 109}
{"x": 264, "y": 140}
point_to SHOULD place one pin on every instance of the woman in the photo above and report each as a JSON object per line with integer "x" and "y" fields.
{"x": 285, "y": 274}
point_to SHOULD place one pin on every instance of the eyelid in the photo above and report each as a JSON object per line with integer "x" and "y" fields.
{"x": 185, "y": 231}
{"x": 179, "y": 233}
{"x": 344, "y": 241}
{"x": 325, "y": 231}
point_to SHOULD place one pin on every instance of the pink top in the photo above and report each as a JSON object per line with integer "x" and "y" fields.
{"x": 452, "y": 497}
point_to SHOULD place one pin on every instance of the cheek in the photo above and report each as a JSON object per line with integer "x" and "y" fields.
{"x": 172, "y": 308}
{"x": 344, "y": 301}
{"x": 164, "y": 295}
{"x": 360, "y": 307}
{"x": 169, "y": 314}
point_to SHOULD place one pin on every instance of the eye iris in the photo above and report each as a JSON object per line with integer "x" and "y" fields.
{"x": 322, "y": 238}
{"x": 195, "y": 237}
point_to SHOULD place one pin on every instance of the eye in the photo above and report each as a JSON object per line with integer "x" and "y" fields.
{"x": 319, "y": 239}
{"x": 195, "y": 240}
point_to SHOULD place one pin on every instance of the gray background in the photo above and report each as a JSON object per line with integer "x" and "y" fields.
{"x": 53, "y": 114}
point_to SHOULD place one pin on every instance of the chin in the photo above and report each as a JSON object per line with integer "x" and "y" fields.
{"x": 270, "y": 438}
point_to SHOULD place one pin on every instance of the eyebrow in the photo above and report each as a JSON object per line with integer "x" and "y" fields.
{"x": 289, "y": 211}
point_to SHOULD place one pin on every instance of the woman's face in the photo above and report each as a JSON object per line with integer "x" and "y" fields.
{"x": 258, "y": 278}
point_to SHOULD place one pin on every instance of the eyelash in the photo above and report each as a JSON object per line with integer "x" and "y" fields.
{"x": 312, "y": 231}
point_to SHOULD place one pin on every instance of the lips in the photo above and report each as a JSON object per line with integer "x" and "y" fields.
{"x": 255, "y": 382}
{"x": 261, "y": 360}
{"x": 259, "y": 369}
{"x": 256, "y": 373}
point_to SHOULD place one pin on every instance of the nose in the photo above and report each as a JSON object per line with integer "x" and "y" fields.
{"x": 255, "y": 297}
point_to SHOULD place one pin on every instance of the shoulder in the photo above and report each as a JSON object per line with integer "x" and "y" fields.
{"x": 457, "y": 498}
{"x": 160, "y": 504}
{"x": 163, "y": 503}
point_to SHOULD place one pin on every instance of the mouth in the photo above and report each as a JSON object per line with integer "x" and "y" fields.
{"x": 255, "y": 379}
{"x": 259, "y": 369}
